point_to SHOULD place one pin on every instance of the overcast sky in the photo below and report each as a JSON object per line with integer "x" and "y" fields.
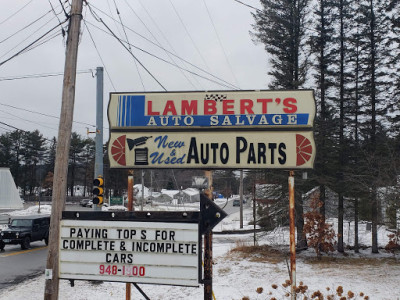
{"x": 212, "y": 36}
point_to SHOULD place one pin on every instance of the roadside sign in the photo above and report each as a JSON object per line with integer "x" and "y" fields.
{"x": 212, "y": 149}
{"x": 211, "y": 109}
{"x": 116, "y": 200}
{"x": 139, "y": 247}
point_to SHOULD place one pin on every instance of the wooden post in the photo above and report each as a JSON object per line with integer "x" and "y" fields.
{"x": 130, "y": 208}
{"x": 208, "y": 246}
{"x": 62, "y": 152}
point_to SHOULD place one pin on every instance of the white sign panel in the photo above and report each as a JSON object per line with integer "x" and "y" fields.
{"x": 212, "y": 149}
{"x": 214, "y": 109}
{"x": 125, "y": 251}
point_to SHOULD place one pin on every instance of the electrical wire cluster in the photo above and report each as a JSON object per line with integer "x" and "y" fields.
{"x": 53, "y": 23}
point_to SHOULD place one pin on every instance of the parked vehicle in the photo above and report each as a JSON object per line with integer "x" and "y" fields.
{"x": 84, "y": 202}
{"x": 236, "y": 202}
{"x": 24, "y": 230}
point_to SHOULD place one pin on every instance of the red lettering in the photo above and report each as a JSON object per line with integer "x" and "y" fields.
{"x": 169, "y": 107}
{"x": 246, "y": 105}
{"x": 227, "y": 107}
{"x": 264, "y": 103}
{"x": 290, "y": 105}
{"x": 210, "y": 107}
{"x": 189, "y": 108}
{"x": 150, "y": 111}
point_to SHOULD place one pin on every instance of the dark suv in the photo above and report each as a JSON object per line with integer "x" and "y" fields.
{"x": 24, "y": 230}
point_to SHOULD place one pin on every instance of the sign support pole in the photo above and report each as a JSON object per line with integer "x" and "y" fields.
{"x": 63, "y": 145}
{"x": 292, "y": 236}
{"x": 130, "y": 208}
{"x": 208, "y": 245}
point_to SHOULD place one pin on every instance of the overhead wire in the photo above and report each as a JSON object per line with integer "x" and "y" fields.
{"x": 43, "y": 75}
{"x": 16, "y": 12}
{"x": 232, "y": 86}
{"x": 190, "y": 36}
{"x": 23, "y": 28}
{"x": 220, "y": 43}
{"x": 98, "y": 53}
{"x": 43, "y": 114}
{"x": 159, "y": 58}
{"x": 97, "y": 18}
{"x": 59, "y": 21}
{"x": 248, "y": 5}
{"x": 130, "y": 48}
{"x": 156, "y": 40}
{"x": 31, "y": 44}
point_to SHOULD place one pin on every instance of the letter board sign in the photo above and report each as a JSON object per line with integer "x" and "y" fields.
{"x": 129, "y": 251}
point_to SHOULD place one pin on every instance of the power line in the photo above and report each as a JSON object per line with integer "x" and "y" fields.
{"x": 119, "y": 40}
{"x": 30, "y": 24}
{"x": 220, "y": 43}
{"x": 43, "y": 114}
{"x": 35, "y": 41}
{"x": 16, "y": 12}
{"x": 245, "y": 4}
{"x": 164, "y": 49}
{"x": 44, "y": 75}
{"x": 98, "y": 53}
{"x": 159, "y": 58}
{"x": 190, "y": 36}
{"x": 130, "y": 49}
{"x": 154, "y": 37}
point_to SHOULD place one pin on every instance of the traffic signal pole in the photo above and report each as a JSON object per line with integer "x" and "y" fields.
{"x": 62, "y": 151}
{"x": 98, "y": 164}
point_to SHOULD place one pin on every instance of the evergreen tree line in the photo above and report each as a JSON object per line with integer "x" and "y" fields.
{"x": 31, "y": 159}
{"x": 348, "y": 52}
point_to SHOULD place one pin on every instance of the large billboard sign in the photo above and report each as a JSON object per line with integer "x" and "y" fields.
{"x": 214, "y": 150}
{"x": 215, "y": 109}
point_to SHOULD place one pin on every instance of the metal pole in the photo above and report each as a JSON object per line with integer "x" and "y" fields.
{"x": 62, "y": 153}
{"x": 241, "y": 198}
{"x": 292, "y": 236}
{"x": 208, "y": 247}
{"x": 98, "y": 165}
{"x": 130, "y": 208}
{"x": 254, "y": 213}
{"x": 98, "y": 162}
{"x": 141, "y": 202}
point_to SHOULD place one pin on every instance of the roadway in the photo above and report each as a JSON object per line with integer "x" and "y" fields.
{"x": 17, "y": 265}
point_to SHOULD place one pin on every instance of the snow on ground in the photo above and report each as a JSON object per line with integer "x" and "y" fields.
{"x": 237, "y": 275}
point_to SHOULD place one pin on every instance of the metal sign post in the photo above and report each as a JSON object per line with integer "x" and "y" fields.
{"x": 292, "y": 236}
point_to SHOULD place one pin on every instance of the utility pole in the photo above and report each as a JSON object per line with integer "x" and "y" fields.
{"x": 98, "y": 161}
{"x": 62, "y": 151}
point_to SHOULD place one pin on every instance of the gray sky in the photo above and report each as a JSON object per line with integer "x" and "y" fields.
{"x": 183, "y": 27}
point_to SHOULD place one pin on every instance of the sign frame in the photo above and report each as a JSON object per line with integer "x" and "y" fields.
{"x": 131, "y": 111}
{"x": 205, "y": 219}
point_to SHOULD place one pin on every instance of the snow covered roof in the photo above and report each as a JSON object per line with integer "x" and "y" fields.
{"x": 191, "y": 191}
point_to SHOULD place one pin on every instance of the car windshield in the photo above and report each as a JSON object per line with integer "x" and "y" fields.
{"x": 21, "y": 223}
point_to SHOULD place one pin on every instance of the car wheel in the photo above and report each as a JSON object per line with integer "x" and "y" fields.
{"x": 26, "y": 243}
{"x": 46, "y": 240}
{"x": 2, "y": 245}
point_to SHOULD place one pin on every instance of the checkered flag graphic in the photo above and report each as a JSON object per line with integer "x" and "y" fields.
{"x": 216, "y": 97}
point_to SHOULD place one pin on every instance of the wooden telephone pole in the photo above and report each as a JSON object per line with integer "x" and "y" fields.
{"x": 62, "y": 152}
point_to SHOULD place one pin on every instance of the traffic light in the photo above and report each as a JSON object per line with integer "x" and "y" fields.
{"x": 98, "y": 190}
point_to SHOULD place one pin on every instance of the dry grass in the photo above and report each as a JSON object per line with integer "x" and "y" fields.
{"x": 257, "y": 253}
